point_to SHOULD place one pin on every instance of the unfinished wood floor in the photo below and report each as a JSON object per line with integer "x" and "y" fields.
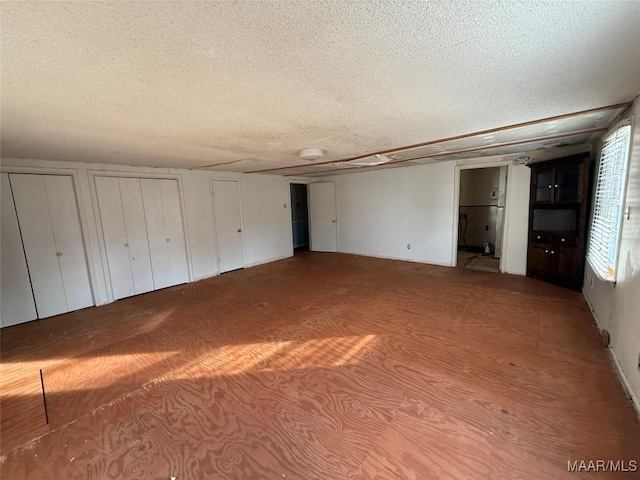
{"x": 322, "y": 366}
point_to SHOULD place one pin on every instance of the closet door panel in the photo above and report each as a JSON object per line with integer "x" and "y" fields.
{"x": 16, "y": 299}
{"x": 69, "y": 242}
{"x": 39, "y": 245}
{"x": 174, "y": 231}
{"x": 136, "y": 234}
{"x": 154, "y": 216}
{"x": 115, "y": 236}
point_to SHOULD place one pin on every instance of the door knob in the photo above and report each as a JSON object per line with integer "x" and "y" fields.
{"x": 549, "y": 186}
{"x": 168, "y": 239}
{"x": 333, "y": 221}
{"x": 126, "y": 244}
{"x": 546, "y": 251}
{"x": 556, "y": 186}
{"x": 239, "y": 230}
{"x": 552, "y": 252}
{"x": 58, "y": 254}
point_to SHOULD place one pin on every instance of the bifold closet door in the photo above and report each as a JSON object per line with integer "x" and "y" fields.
{"x": 115, "y": 236}
{"x": 52, "y": 238}
{"x": 163, "y": 217}
{"x": 125, "y": 235}
{"x": 136, "y": 234}
{"x": 16, "y": 297}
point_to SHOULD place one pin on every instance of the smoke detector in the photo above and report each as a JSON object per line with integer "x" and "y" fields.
{"x": 311, "y": 153}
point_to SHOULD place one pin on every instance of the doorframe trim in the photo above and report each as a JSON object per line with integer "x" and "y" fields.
{"x": 456, "y": 206}
{"x": 299, "y": 181}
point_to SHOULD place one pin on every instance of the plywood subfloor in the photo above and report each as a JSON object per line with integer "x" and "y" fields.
{"x": 321, "y": 366}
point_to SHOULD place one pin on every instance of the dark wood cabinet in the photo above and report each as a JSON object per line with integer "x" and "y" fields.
{"x": 557, "y": 220}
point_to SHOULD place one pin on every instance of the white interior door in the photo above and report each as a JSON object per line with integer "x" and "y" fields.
{"x": 174, "y": 229}
{"x": 115, "y": 236}
{"x": 52, "y": 237}
{"x": 323, "y": 232}
{"x": 228, "y": 220}
{"x": 158, "y": 240}
{"x": 67, "y": 233}
{"x": 137, "y": 237}
{"x": 16, "y": 298}
{"x": 163, "y": 217}
{"x": 39, "y": 243}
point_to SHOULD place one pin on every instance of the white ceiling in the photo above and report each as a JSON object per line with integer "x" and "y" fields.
{"x": 193, "y": 84}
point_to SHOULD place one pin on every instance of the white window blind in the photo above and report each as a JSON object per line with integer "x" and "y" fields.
{"x": 602, "y": 253}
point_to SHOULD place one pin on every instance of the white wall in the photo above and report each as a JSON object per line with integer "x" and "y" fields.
{"x": 266, "y": 216}
{"x": 516, "y": 231}
{"x": 265, "y": 210}
{"x": 380, "y": 212}
{"x": 617, "y": 308}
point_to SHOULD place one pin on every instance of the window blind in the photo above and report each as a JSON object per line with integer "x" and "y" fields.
{"x": 602, "y": 253}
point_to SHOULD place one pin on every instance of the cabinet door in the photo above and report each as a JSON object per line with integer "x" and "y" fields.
{"x": 137, "y": 237}
{"x": 543, "y": 185}
{"x": 538, "y": 259}
{"x": 39, "y": 244}
{"x": 16, "y": 298}
{"x": 567, "y": 183}
{"x": 566, "y": 265}
{"x": 115, "y": 236}
{"x": 176, "y": 245}
{"x": 69, "y": 242}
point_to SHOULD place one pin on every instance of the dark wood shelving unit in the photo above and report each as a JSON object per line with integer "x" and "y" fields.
{"x": 558, "y": 209}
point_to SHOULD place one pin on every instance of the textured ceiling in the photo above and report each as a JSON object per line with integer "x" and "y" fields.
{"x": 192, "y": 84}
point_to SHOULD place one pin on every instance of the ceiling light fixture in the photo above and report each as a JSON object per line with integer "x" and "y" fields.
{"x": 311, "y": 153}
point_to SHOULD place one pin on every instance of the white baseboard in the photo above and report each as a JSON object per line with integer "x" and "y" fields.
{"x": 625, "y": 382}
{"x": 402, "y": 259}
{"x": 621, "y": 375}
{"x": 269, "y": 260}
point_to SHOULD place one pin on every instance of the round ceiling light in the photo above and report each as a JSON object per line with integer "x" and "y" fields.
{"x": 311, "y": 153}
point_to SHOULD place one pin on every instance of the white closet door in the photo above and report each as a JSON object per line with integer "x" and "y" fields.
{"x": 156, "y": 229}
{"x": 322, "y": 217}
{"x": 136, "y": 234}
{"x": 177, "y": 248}
{"x": 67, "y": 234}
{"x": 16, "y": 298}
{"x": 228, "y": 219}
{"x": 39, "y": 244}
{"x": 115, "y": 236}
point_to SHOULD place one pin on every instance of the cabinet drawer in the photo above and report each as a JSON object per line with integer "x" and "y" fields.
{"x": 540, "y": 237}
{"x": 568, "y": 239}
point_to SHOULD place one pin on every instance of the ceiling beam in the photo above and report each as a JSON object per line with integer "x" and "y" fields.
{"x": 457, "y": 137}
{"x": 469, "y": 150}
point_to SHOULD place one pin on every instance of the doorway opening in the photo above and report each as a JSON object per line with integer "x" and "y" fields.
{"x": 299, "y": 217}
{"x": 481, "y": 218}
